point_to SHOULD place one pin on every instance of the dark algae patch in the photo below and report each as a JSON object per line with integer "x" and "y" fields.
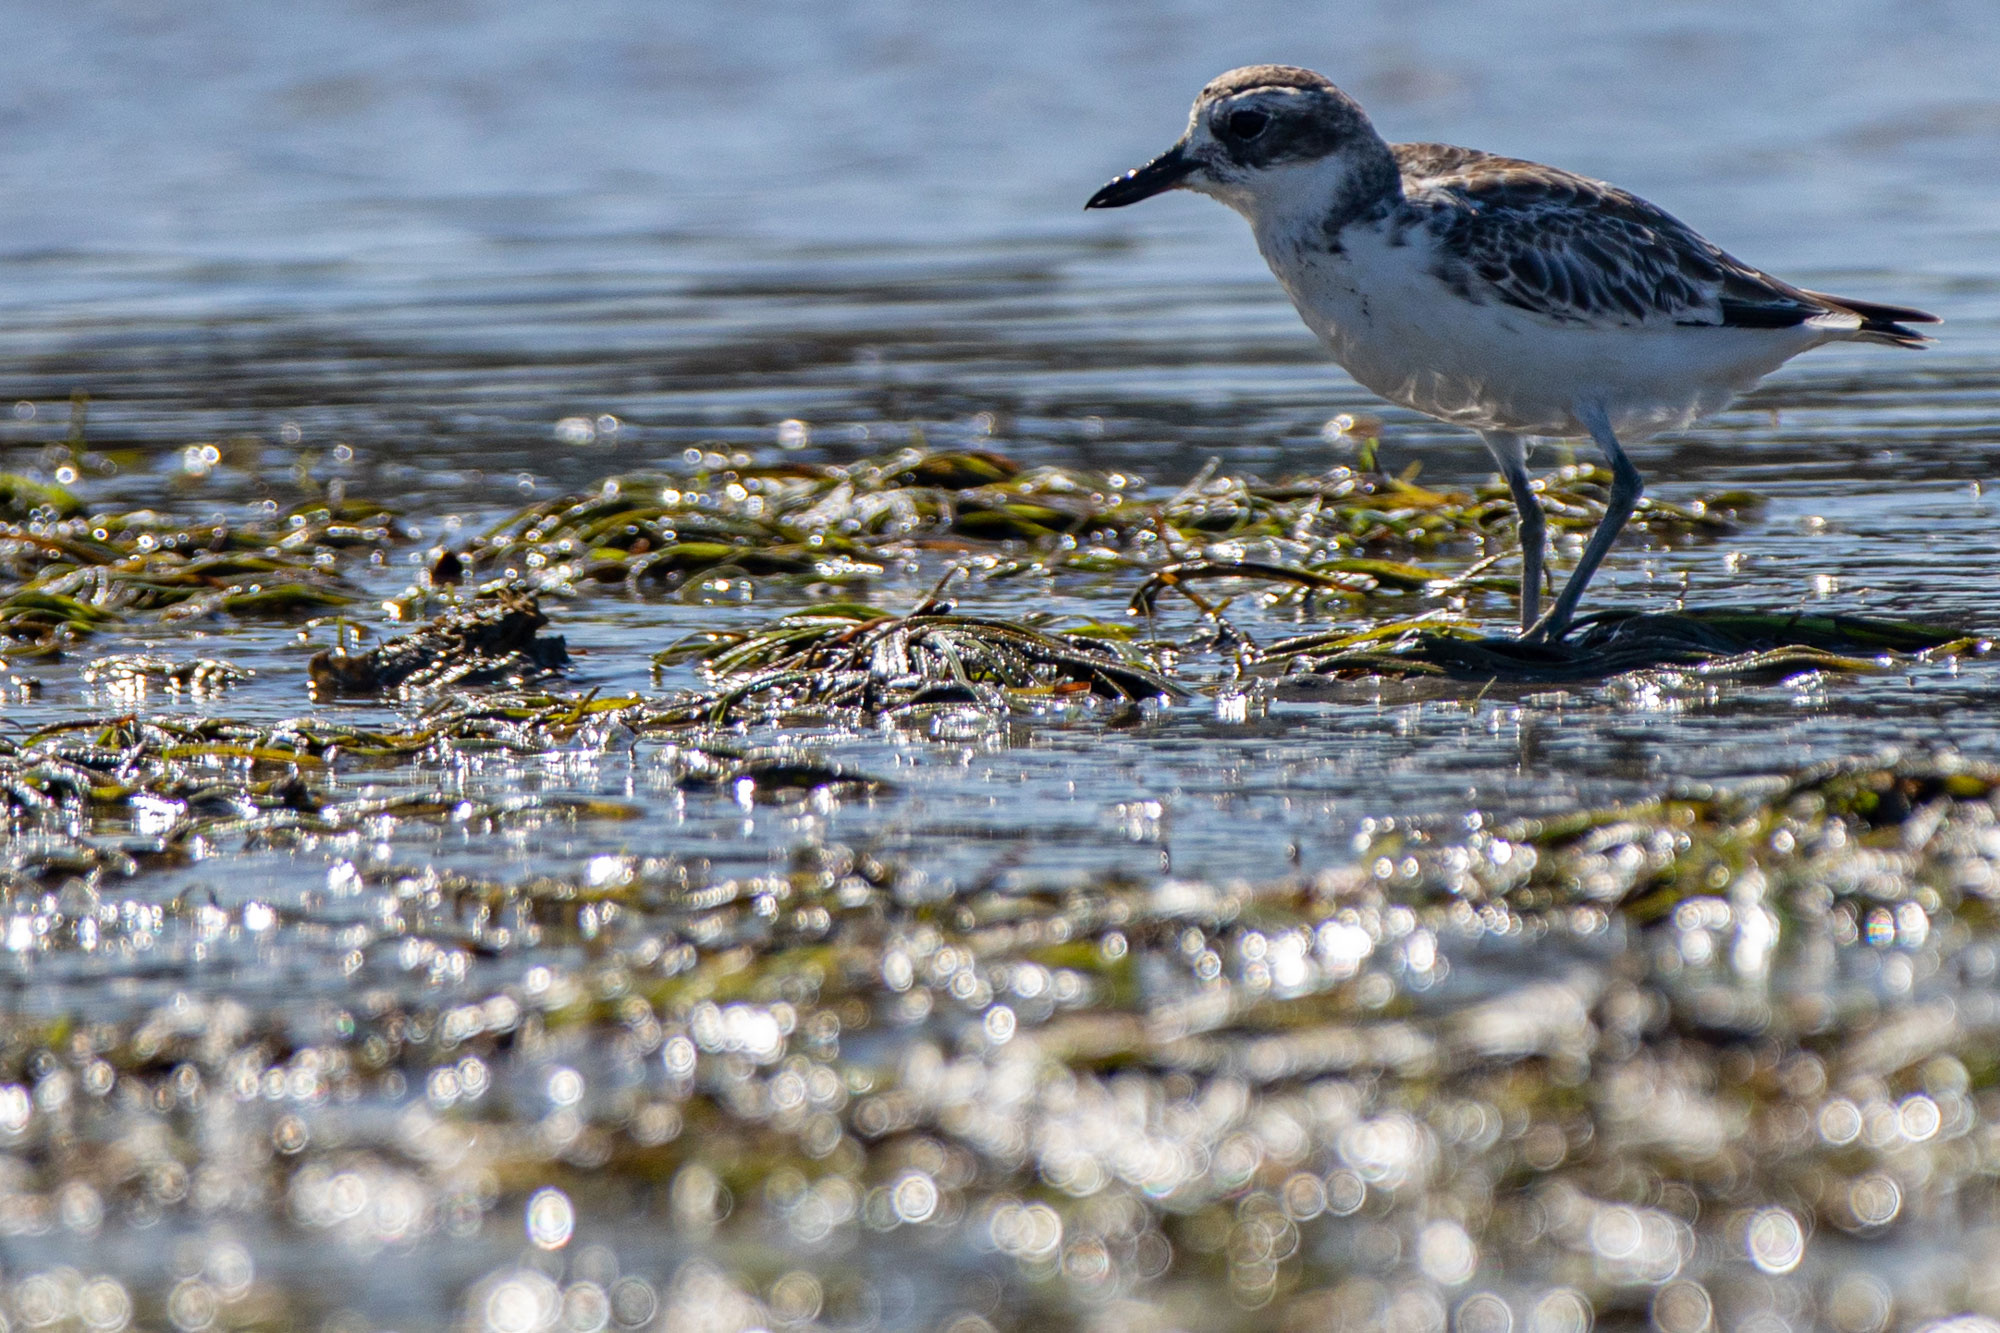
{"x": 1714, "y": 643}
{"x": 613, "y": 955}
{"x": 491, "y": 641}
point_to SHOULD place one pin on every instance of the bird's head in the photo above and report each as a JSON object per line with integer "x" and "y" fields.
{"x": 1260, "y": 139}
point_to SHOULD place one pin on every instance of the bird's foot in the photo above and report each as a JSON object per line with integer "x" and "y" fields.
{"x": 1546, "y": 632}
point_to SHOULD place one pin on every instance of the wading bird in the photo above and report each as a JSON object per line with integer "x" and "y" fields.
{"x": 1517, "y": 299}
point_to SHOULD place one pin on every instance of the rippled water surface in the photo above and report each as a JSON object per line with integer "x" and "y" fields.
{"x": 1269, "y": 1007}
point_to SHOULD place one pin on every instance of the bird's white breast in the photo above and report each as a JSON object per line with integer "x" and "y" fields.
{"x": 1401, "y": 331}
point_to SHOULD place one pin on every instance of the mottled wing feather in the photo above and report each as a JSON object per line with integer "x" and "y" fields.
{"x": 1576, "y": 250}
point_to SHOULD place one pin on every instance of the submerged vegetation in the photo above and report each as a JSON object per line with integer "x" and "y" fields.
{"x": 841, "y": 524}
{"x": 70, "y": 575}
{"x": 1705, "y": 1058}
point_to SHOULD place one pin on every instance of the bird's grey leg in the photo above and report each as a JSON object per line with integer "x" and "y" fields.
{"x": 1626, "y": 485}
{"x": 1512, "y": 456}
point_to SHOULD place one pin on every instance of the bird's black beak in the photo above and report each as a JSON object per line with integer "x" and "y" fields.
{"x": 1163, "y": 173}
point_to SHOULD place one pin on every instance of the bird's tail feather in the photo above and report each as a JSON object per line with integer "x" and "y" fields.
{"x": 1883, "y": 323}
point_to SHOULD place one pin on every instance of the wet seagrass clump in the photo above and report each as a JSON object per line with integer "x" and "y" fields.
{"x": 118, "y": 795}
{"x": 1715, "y": 643}
{"x": 67, "y": 573}
{"x": 490, "y": 641}
{"x": 845, "y": 524}
{"x": 855, "y": 660}
{"x": 1854, "y": 838}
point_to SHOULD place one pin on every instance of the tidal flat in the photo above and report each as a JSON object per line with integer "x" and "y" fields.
{"x": 778, "y": 893}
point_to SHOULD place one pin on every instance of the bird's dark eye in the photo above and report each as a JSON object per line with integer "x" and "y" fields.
{"x": 1247, "y": 124}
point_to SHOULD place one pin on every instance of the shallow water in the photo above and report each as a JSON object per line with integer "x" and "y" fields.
{"x": 467, "y": 256}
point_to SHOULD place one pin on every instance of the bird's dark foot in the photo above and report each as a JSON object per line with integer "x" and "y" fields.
{"x": 1546, "y": 632}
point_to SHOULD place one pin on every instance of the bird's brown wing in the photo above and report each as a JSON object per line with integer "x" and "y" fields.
{"x": 1576, "y": 250}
